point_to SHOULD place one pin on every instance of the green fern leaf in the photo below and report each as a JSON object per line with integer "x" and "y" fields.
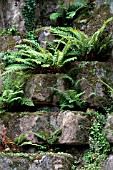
{"x": 16, "y": 67}
{"x": 40, "y": 136}
{"x": 69, "y": 60}
{"x": 55, "y": 16}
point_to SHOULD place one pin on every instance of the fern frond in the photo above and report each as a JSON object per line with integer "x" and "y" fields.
{"x": 27, "y": 102}
{"x": 55, "y": 16}
{"x": 23, "y": 46}
{"x": 69, "y": 79}
{"x": 38, "y": 135}
{"x": 98, "y": 34}
{"x": 32, "y": 43}
{"x": 17, "y": 67}
{"x": 69, "y": 60}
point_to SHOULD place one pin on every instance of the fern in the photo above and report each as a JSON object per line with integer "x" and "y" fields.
{"x": 70, "y": 45}
{"x": 49, "y": 139}
{"x": 13, "y": 93}
{"x": 55, "y": 16}
{"x": 44, "y": 136}
{"x": 109, "y": 87}
{"x": 68, "y": 99}
{"x": 19, "y": 139}
{"x": 96, "y": 38}
{"x": 16, "y": 67}
{"x": 68, "y": 14}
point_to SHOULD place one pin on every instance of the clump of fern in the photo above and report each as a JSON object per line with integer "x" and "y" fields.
{"x": 66, "y": 14}
{"x": 70, "y": 45}
{"x": 71, "y": 98}
{"x": 47, "y": 139}
{"x": 31, "y": 56}
{"x": 12, "y": 92}
{"x": 86, "y": 47}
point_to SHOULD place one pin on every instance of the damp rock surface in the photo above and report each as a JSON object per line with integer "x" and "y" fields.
{"x": 40, "y": 162}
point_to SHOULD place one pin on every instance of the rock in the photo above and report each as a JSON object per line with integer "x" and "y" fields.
{"x": 11, "y": 15}
{"x": 109, "y": 127}
{"x": 45, "y": 36}
{"x": 38, "y": 122}
{"x": 8, "y": 42}
{"x": 109, "y": 163}
{"x": 75, "y": 128}
{"x": 90, "y": 73}
{"x": 0, "y": 81}
{"x": 38, "y": 87}
{"x": 40, "y": 162}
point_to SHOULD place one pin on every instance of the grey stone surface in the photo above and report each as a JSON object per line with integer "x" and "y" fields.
{"x": 109, "y": 126}
{"x": 90, "y": 74}
{"x": 41, "y": 162}
{"x": 75, "y": 126}
{"x": 11, "y": 15}
{"x": 109, "y": 163}
{"x": 38, "y": 87}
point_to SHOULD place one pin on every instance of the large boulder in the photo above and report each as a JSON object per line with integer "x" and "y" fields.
{"x": 75, "y": 128}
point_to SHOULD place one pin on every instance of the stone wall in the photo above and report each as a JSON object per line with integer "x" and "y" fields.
{"x": 75, "y": 125}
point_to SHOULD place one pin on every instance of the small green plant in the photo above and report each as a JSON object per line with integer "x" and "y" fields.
{"x": 107, "y": 85}
{"x": 13, "y": 94}
{"x": 69, "y": 99}
{"x": 70, "y": 45}
{"x": 48, "y": 140}
{"x": 83, "y": 46}
{"x": 99, "y": 146}
{"x": 10, "y": 31}
{"x": 11, "y": 145}
{"x": 32, "y": 56}
{"x": 65, "y": 15}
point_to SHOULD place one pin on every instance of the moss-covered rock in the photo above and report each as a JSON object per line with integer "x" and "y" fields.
{"x": 38, "y": 87}
{"x": 96, "y": 94}
{"x": 39, "y": 162}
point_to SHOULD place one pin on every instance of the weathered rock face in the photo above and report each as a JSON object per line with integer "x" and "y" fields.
{"x": 38, "y": 87}
{"x": 10, "y": 11}
{"x": 74, "y": 125}
{"x": 41, "y": 162}
{"x": 109, "y": 163}
{"x": 75, "y": 128}
{"x": 109, "y": 2}
{"x": 110, "y": 128}
{"x": 90, "y": 74}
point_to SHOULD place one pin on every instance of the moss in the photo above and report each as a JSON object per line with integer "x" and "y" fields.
{"x": 7, "y": 43}
{"x": 98, "y": 17}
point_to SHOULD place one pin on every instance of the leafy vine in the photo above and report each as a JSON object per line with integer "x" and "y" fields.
{"x": 28, "y": 12}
